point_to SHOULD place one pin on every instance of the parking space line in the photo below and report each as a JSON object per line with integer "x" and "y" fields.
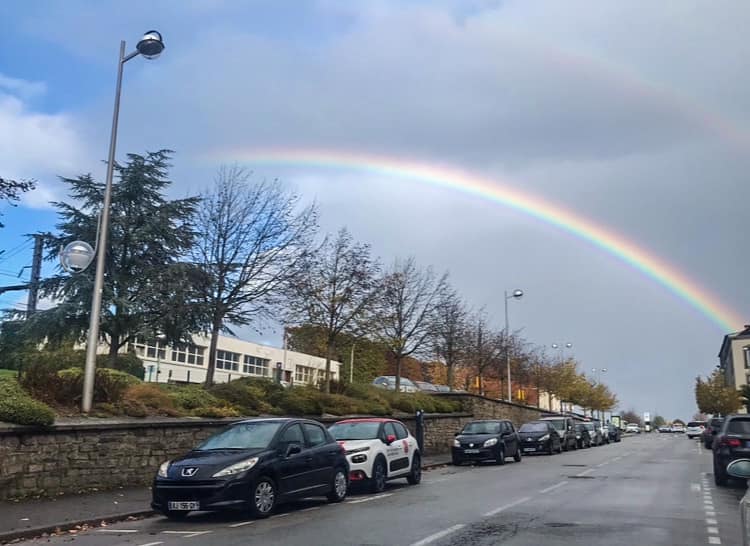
{"x": 187, "y": 534}
{"x": 151, "y": 544}
{"x": 368, "y": 499}
{"x": 439, "y": 535}
{"x": 310, "y": 509}
{"x": 714, "y": 540}
{"x": 505, "y": 507}
{"x": 585, "y": 472}
{"x": 711, "y": 521}
{"x": 117, "y": 530}
{"x": 712, "y": 530}
{"x": 242, "y": 523}
{"x": 552, "y": 488}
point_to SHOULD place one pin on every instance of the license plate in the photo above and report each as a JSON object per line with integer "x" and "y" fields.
{"x": 471, "y": 451}
{"x": 528, "y": 449}
{"x": 184, "y": 505}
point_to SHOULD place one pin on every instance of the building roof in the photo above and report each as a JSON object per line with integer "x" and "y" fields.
{"x": 743, "y": 334}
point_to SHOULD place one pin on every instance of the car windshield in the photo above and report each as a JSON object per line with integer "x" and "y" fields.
{"x": 363, "y": 430}
{"x": 559, "y": 424}
{"x": 534, "y": 427}
{"x": 480, "y": 427}
{"x": 739, "y": 426}
{"x": 242, "y": 436}
{"x": 589, "y": 426}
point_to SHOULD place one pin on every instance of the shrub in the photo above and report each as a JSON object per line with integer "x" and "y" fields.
{"x": 16, "y": 406}
{"x": 191, "y": 397}
{"x": 134, "y": 408}
{"x": 128, "y": 363}
{"x": 216, "y": 412}
{"x": 155, "y": 399}
{"x": 109, "y": 385}
{"x": 338, "y": 404}
{"x": 300, "y": 401}
{"x": 249, "y": 397}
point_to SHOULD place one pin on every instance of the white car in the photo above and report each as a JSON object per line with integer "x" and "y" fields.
{"x": 389, "y": 382}
{"x": 633, "y": 427}
{"x": 378, "y": 450}
{"x": 678, "y": 428}
{"x": 694, "y": 429}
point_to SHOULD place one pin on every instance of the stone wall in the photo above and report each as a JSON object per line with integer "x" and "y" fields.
{"x": 71, "y": 457}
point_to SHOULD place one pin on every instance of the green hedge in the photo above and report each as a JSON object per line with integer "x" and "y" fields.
{"x": 16, "y": 406}
{"x": 109, "y": 385}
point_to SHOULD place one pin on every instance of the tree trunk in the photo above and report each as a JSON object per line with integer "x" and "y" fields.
{"x": 449, "y": 367}
{"x": 398, "y": 372}
{"x": 215, "y": 329}
{"x": 329, "y": 350}
{"x": 114, "y": 346}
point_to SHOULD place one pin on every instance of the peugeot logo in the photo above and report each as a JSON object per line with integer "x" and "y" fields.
{"x": 189, "y": 471}
{"x": 471, "y": 445}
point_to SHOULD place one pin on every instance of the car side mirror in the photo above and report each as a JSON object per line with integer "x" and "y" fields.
{"x": 390, "y": 439}
{"x": 456, "y": 433}
{"x": 293, "y": 449}
{"x": 739, "y": 468}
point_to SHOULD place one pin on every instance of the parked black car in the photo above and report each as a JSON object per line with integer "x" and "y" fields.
{"x": 253, "y": 464}
{"x": 486, "y": 440}
{"x": 565, "y": 427}
{"x": 614, "y": 433}
{"x": 583, "y": 435}
{"x": 712, "y": 428}
{"x": 730, "y": 443}
{"x": 539, "y": 437}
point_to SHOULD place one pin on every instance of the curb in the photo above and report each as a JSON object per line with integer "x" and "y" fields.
{"x": 34, "y": 532}
{"x": 435, "y": 465}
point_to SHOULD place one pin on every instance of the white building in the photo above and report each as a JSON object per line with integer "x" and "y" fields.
{"x": 234, "y": 358}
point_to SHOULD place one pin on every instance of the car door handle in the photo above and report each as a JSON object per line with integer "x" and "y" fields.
{"x": 308, "y": 459}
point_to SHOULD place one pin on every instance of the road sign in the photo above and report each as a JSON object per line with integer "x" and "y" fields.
{"x": 646, "y": 417}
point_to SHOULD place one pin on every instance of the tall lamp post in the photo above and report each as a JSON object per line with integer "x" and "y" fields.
{"x": 516, "y": 295}
{"x": 560, "y": 348}
{"x": 150, "y": 46}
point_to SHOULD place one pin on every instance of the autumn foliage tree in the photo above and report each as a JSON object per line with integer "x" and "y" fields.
{"x": 713, "y": 396}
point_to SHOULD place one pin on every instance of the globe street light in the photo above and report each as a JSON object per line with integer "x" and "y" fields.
{"x": 76, "y": 256}
{"x": 150, "y": 46}
{"x": 517, "y": 295}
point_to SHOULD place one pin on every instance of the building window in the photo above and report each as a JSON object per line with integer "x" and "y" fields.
{"x": 188, "y": 354}
{"x": 746, "y": 352}
{"x": 304, "y": 374}
{"x": 152, "y": 349}
{"x": 226, "y": 360}
{"x": 255, "y": 365}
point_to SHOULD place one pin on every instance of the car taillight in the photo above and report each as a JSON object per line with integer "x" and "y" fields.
{"x": 730, "y": 442}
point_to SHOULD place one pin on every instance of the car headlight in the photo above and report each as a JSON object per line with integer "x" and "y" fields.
{"x": 164, "y": 468}
{"x": 357, "y": 450}
{"x": 236, "y": 468}
{"x": 456, "y": 443}
{"x": 578, "y": 436}
{"x": 491, "y": 442}
{"x": 544, "y": 438}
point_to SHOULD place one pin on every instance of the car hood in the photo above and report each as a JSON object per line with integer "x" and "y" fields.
{"x": 533, "y": 435}
{"x": 351, "y": 445}
{"x": 207, "y": 463}
{"x": 475, "y": 438}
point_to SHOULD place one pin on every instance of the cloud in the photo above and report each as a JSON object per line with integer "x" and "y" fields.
{"x": 22, "y": 88}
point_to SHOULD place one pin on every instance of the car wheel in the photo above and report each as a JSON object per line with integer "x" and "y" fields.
{"x": 379, "y": 475}
{"x": 456, "y": 461}
{"x": 263, "y": 499}
{"x": 559, "y": 448}
{"x": 517, "y": 456}
{"x": 339, "y": 486}
{"x": 720, "y": 476}
{"x": 175, "y": 515}
{"x": 500, "y": 459}
{"x": 550, "y": 450}
{"x": 415, "y": 476}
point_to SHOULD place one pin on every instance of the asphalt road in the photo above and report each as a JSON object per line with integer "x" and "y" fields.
{"x": 648, "y": 490}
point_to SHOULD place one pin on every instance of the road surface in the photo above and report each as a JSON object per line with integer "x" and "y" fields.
{"x": 648, "y": 490}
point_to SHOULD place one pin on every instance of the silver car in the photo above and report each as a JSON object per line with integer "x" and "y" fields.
{"x": 388, "y": 382}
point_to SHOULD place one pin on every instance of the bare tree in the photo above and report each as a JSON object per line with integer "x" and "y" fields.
{"x": 338, "y": 285}
{"x": 253, "y": 240}
{"x": 485, "y": 347}
{"x": 449, "y": 328}
{"x": 404, "y": 318}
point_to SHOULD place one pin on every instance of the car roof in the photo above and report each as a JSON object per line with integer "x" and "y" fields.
{"x": 369, "y": 420}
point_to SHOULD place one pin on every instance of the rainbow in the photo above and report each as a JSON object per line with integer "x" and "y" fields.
{"x": 451, "y": 177}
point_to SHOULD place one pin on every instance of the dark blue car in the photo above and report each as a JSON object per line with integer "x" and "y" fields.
{"x": 253, "y": 465}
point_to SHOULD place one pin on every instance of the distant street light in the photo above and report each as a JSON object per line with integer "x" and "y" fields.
{"x": 516, "y": 294}
{"x": 150, "y": 46}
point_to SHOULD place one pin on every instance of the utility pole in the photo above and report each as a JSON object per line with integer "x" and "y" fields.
{"x": 36, "y": 273}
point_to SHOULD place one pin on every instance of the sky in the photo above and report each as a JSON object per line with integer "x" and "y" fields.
{"x": 634, "y": 116}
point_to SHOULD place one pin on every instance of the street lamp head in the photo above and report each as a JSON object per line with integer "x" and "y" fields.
{"x": 76, "y": 256}
{"x": 518, "y": 294}
{"x": 151, "y": 45}
{"x": 568, "y": 345}
{"x": 555, "y": 346}
{"x": 604, "y": 370}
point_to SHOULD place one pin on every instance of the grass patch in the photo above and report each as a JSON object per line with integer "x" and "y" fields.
{"x": 8, "y": 373}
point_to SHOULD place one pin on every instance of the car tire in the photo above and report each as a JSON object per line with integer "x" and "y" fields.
{"x": 550, "y": 449}
{"x": 263, "y": 497}
{"x": 721, "y": 478}
{"x": 339, "y": 486}
{"x": 415, "y": 474}
{"x": 456, "y": 461}
{"x": 175, "y": 515}
{"x": 500, "y": 459}
{"x": 379, "y": 476}
{"x": 517, "y": 456}
{"x": 560, "y": 448}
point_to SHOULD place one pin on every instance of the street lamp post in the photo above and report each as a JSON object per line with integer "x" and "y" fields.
{"x": 560, "y": 348}
{"x": 517, "y": 294}
{"x": 150, "y": 46}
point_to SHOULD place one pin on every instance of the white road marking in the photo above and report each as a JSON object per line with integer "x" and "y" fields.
{"x": 117, "y": 530}
{"x": 605, "y": 463}
{"x": 585, "y": 472}
{"x": 712, "y": 530}
{"x": 281, "y": 515}
{"x": 711, "y": 521}
{"x": 552, "y": 488}
{"x": 310, "y": 509}
{"x": 505, "y": 507}
{"x": 242, "y": 523}
{"x": 151, "y": 544}
{"x": 714, "y": 540}
{"x": 695, "y": 487}
{"x": 187, "y": 534}
{"x": 368, "y": 499}
{"x": 710, "y": 514}
{"x": 438, "y": 535}
{"x": 437, "y": 481}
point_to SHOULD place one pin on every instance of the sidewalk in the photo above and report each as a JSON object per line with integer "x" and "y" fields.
{"x": 32, "y": 518}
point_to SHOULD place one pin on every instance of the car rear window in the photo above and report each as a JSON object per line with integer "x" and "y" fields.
{"x": 739, "y": 426}
{"x": 696, "y": 423}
